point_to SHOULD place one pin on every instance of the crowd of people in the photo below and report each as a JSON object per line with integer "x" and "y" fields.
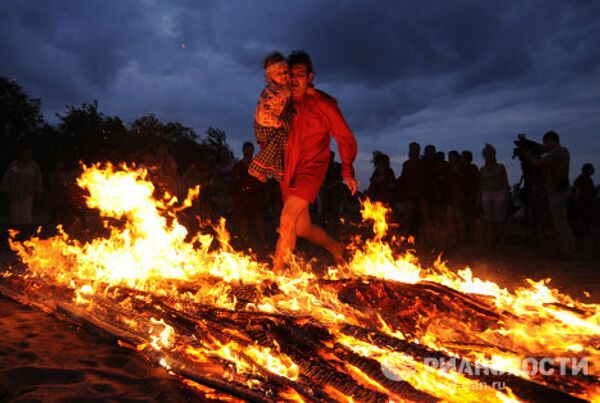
{"x": 227, "y": 190}
{"x": 447, "y": 201}
{"x": 443, "y": 201}
{"x": 438, "y": 199}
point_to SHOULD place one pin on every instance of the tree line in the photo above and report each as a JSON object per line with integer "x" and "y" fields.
{"x": 83, "y": 133}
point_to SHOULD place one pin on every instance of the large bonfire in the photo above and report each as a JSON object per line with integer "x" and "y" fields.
{"x": 381, "y": 328}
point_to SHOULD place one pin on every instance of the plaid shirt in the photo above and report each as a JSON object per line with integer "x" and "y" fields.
{"x": 274, "y": 105}
{"x": 268, "y": 162}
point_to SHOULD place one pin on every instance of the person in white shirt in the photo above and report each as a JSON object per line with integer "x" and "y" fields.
{"x": 22, "y": 182}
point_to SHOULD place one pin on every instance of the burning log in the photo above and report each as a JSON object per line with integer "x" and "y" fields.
{"x": 410, "y": 307}
{"x": 311, "y": 347}
{"x": 373, "y": 369}
{"x": 522, "y": 388}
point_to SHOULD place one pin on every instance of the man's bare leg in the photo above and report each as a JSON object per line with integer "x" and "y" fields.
{"x": 306, "y": 229}
{"x": 292, "y": 208}
{"x": 295, "y": 221}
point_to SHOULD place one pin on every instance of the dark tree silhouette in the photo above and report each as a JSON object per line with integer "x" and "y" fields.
{"x": 19, "y": 114}
{"x": 147, "y": 130}
{"x": 147, "y": 126}
{"x": 90, "y": 135}
{"x": 86, "y": 134}
{"x": 215, "y": 139}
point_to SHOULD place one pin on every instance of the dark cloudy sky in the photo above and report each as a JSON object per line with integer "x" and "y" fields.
{"x": 456, "y": 74}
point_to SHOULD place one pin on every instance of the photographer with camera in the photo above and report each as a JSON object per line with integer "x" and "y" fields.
{"x": 532, "y": 188}
{"x": 555, "y": 164}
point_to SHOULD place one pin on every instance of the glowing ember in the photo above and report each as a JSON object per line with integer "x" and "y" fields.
{"x": 179, "y": 296}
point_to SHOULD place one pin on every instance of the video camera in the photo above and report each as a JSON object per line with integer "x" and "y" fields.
{"x": 523, "y": 144}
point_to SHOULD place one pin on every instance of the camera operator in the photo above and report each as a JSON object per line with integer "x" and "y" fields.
{"x": 555, "y": 163}
{"x": 533, "y": 191}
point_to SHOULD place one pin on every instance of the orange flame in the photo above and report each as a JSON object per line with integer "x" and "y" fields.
{"x": 149, "y": 250}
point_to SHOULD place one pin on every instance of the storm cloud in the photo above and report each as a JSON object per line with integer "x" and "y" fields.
{"x": 455, "y": 74}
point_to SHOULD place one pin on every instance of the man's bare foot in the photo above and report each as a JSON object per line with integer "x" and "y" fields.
{"x": 281, "y": 262}
{"x": 337, "y": 251}
{"x": 278, "y": 265}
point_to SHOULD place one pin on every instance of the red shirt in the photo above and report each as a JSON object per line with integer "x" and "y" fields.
{"x": 316, "y": 118}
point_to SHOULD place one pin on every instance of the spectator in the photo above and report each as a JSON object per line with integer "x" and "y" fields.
{"x": 471, "y": 184}
{"x": 536, "y": 201}
{"x": 331, "y": 195}
{"x": 585, "y": 194}
{"x": 382, "y": 179}
{"x": 57, "y": 193}
{"x": 22, "y": 182}
{"x": 170, "y": 180}
{"x": 410, "y": 184}
{"x": 248, "y": 198}
{"x": 223, "y": 173}
{"x": 199, "y": 173}
{"x": 456, "y": 203}
{"x": 441, "y": 199}
{"x": 162, "y": 170}
{"x": 78, "y": 219}
{"x": 555, "y": 162}
{"x": 494, "y": 195}
{"x": 427, "y": 194}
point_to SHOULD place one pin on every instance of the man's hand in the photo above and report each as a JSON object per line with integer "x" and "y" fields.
{"x": 352, "y": 185}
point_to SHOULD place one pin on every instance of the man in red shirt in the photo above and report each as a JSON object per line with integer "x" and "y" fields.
{"x": 316, "y": 118}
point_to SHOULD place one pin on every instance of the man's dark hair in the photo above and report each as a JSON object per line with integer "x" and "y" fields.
{"x": 272, "y": 58}
{"x": 247, "y": 144}
{"x": 453, "y": 154}
{"x": 380, "y": 158}
{"x": 429, "y": 147}
{"x": 299, "y": 56}
{"x": 467, "y": 156}
{"x": 552, "y": 135}
{"x": 415, "y": 144}
{"x": 587, "y": 167}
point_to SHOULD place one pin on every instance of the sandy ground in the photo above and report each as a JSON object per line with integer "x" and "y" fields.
{"x": 510, "y": 266}
{"x": 43, "y": 359}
